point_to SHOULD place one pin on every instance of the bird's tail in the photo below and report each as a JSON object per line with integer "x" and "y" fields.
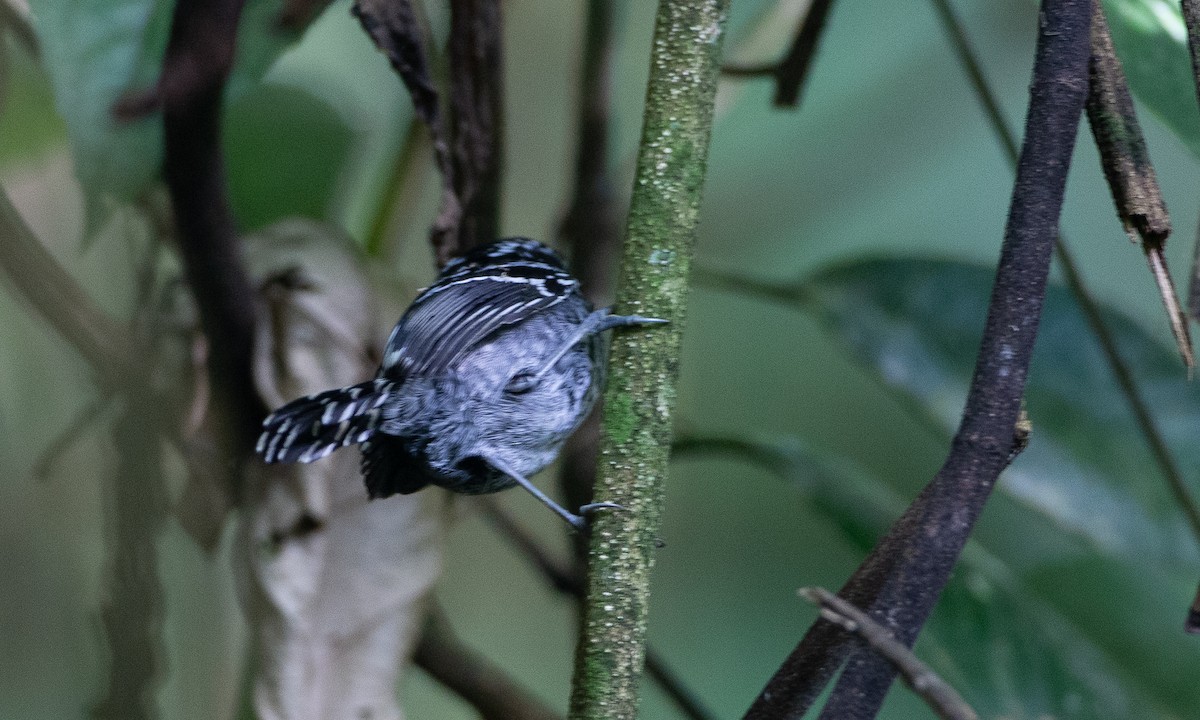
{"x": 311, "y": 427}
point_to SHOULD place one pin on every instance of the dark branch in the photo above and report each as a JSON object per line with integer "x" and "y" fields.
{"x": 197, "y": 63}
{"x": 1130, "y": 174}
{"x": 471, "y": 200}
{"x": 296, "y": 15}
{"x": 904, "y": 575}
{"x": 791, "y": 72}
{"x": 1119, "y": 138}
{"x": 1192, "y": 624}
{"x": 1104, "y": 336}
{"x": 467, "y": 141}
{"x": 399, "y": 31}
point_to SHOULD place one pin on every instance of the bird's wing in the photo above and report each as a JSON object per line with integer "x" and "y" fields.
{"x": 464, "y": 308}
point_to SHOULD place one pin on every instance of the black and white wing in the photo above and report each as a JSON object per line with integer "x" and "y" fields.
{"x": 493, "y": 287}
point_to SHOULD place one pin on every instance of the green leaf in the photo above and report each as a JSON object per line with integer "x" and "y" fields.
{"x": 1151, "y": 41}
{"x": 1093, "y": 557}
{"x": 1014, "y": 655}
{"x": 95, "y": 51}
{"x": 28, "y": 122}
{"x": 285, "y": 151}
{"x": 1015, "y": 645}
{"x": 1087, "y": 469}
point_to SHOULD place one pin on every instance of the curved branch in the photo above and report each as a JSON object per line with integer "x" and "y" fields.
{"x": 904, "y": 575}
{"x": 53, "y": 293}
{"x": 791, "y": 72}
{"x": 197, "y": 63}
{"x": 1108, "y": 344}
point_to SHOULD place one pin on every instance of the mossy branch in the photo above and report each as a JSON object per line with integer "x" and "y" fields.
{"x": 644, "y": 364}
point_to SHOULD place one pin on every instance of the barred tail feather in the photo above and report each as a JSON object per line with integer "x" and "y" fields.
{"x": 312, "y": 427}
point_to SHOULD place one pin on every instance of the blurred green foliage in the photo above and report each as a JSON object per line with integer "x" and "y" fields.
{"x": 884, "y": 196}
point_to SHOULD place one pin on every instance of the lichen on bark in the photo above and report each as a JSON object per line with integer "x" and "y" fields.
{"x": 645, "y": 362}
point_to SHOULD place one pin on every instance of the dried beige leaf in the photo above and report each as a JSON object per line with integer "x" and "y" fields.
{"x": 333, "y": 585}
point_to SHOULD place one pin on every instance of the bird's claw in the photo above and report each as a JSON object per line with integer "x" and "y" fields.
{"x": 582, "y": 521}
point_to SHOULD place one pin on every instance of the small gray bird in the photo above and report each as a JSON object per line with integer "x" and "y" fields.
{"x": 483, "y": 378}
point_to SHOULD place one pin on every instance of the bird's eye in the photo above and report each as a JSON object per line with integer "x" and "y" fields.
{"x": 521, "y": 383}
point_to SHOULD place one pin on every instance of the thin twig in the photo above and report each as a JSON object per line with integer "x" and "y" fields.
{"x": 43, "y": 468}
{"x": 590, "y": 227}
{"x": 904, "y": 575}
{"x": 658, "y": 670}
{"x": 1075, "y": 282}
{"x": 486, "y": 686}
{"x": 936, "y": 692}
{"x": 1193, "y": 301}
{"x": 791, "y": 72}
{"x": 409, "y": 173}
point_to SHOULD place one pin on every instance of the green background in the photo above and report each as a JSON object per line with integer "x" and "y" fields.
{"x": 1071, "y": 601}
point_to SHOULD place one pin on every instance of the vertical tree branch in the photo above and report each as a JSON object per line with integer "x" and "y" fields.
{"x": 471, "y": 199}
{"x": 195, "y": 68}
{"x": 132, "y": 612}
{"x": 904, "y": 575}
{"x": 662, "y": 223}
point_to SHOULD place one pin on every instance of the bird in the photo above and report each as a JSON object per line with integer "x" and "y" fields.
{"x": 483, "y": 378}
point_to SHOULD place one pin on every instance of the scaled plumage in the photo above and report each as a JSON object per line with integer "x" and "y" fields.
{"x": 483, "y": 378}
